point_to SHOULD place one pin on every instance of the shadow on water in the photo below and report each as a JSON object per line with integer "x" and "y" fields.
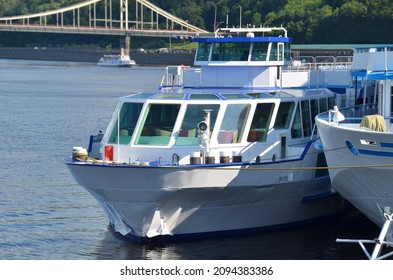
{"x": 311, "y": 242}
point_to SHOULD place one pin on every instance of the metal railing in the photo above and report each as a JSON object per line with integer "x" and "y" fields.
{"x": 321, "y": 63}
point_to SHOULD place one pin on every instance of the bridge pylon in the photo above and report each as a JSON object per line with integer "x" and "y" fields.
{"x": 125, "y": 44}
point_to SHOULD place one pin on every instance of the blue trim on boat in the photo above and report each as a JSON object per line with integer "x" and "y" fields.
{"x": 376, "y": 153}
{"x": 242, "y": 39}
{"x": 70, "y": 161}
{"x": 187, "y": 96}
{"x": 387, "y": 144}
{"x": 374, "y": 76}
{"x": 312, "y": 198}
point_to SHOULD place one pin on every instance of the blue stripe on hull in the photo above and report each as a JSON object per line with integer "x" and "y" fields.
{"x": 387, "y": 144}
{"x": 376, "y": 153}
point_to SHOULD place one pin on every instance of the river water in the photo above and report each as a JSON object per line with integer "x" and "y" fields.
{"x": 46, "y": 108}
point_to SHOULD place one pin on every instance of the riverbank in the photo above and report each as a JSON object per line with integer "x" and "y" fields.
{"x": 146, "y": 58}
{"x": 154, "y": 57}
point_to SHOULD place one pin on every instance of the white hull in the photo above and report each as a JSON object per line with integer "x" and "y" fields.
{"x": 144, "y": 201}
{"x": 116, "y": 64}
{"x": 210, "y": 152}
{"x": 364, "y": 179}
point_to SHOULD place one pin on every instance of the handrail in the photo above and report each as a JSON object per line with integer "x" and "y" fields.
{"x": 320, "y": 66}
{"x": 353, "y": 114}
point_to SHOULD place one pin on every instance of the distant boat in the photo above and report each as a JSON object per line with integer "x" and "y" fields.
{"x": 223, "y": 147}
{"x": 116, "y": 61}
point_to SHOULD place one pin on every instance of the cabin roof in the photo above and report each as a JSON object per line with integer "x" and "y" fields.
{"x": 227, "y": 94}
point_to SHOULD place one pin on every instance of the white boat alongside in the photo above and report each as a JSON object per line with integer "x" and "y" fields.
{"x": 221, "y": 148}
{"x": 358, "y": 141}
{"x": 116, "y": 61}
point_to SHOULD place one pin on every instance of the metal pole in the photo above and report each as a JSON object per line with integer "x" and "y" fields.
{"x": 89, "y": 15}
{"x": 124, "y": 14}
{"x": 126, "y": 11}
{"x": 118, "y": 134}
{"x": 136, "y": 15}
{"x": 106, "y": 14}
{"x": 141, "y": 16}
{"x": 240, "y": 25}
{"x": 95, "y": 15}
{"x": 157, "y": 21}
{"x": 215, "y": 17}
{"x": 110, "y": 13}
{"x": 121, "y": 14}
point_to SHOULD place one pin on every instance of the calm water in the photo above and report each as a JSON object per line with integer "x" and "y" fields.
{"x": 46, "y": 108}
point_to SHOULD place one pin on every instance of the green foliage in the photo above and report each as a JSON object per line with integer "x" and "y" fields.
{"x": 307, "y": 21}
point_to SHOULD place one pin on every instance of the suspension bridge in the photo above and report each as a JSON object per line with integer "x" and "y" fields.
{"x": 99, "y": 17}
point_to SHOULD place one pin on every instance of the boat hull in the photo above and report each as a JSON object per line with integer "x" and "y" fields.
{"x": 360, "y": 167}
{"x": 173, "y": 201}
{"x": 115, "y": 64}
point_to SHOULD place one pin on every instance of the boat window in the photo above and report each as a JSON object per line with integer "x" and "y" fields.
{"x": 232, "y": 127}
{"x": 230, "y": 51}
{"x": 259, "y": 51}
{"x": 306, "y": 118}
{"x": 280, "y": 52}
{"x": 194, "y": 114}
{"x": 287, "y": 51}
{"x": 158, "y": 124}
{"x": 203, "y": 52}
{"x": 235, "y": 96}
{"x": 296, "y": 130}
{"x": 284, "y": 115}
{"x": 129, "y": 115}
{"x": 260, "y": 122}
{"x": 322, "y": 105}
{"x": 170, "y": 96}
{"x": 331, "y": 102}
{"x": 273, "y": 52}
{"x": 314, "y": 109}
{"x": 262, "y": 94}
{"x": 203, "y": 96}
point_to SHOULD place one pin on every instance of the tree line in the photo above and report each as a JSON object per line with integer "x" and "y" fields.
{"x": 307, "y": 21}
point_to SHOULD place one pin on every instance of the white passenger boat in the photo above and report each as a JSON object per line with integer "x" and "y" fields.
{"x": 116, "y": 61}
{"x": 226, "y": 147}
{"x": 358, "y": 141}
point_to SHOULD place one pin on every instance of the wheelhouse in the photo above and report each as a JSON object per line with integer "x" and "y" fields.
{"x": 238, "y": 50}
